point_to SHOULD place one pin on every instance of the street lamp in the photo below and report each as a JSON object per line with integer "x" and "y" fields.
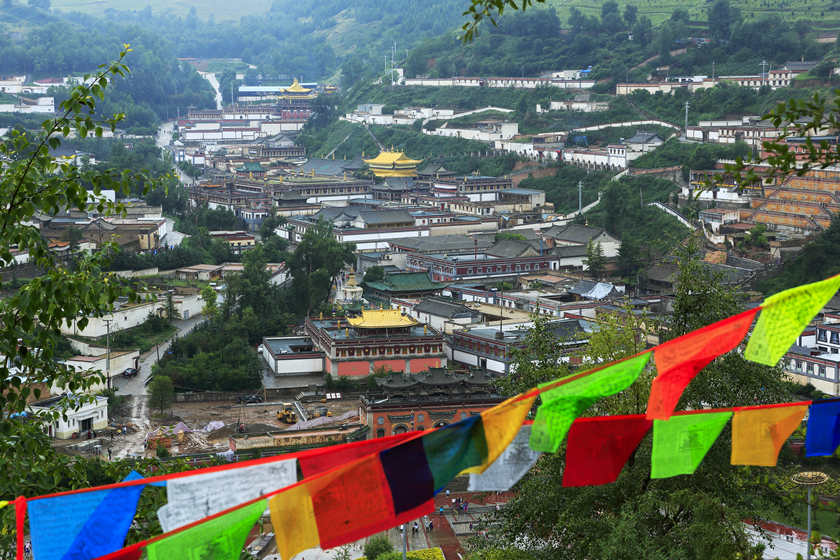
{"x": 809, "y": 479}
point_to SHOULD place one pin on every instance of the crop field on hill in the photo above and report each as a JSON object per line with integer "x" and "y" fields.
{"x": 220, "y": 9}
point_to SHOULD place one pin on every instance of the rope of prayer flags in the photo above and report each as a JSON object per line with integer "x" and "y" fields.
{"x": 474, "y": 450}
{"x": 679, "y": 360}
{"x": 783, "y": 318}
{"x": 561, "y": 405}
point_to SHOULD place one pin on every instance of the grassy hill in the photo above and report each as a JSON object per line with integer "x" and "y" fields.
{"x": 825, "y": 12}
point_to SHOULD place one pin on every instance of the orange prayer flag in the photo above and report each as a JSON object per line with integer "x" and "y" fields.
{"x": 501, "y": 424}
{"x": 758, "y": 434}
{"x": 679, "y": 360}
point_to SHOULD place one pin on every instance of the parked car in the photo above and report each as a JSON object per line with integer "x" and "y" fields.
{"x": 250, "y": 399}
{"x": 130, "y": 372}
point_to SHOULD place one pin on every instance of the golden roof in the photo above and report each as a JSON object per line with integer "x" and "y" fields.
{"x": 392, "y": 159}
{"x": 296, "y": 87}
{"x": 381, "y": 319}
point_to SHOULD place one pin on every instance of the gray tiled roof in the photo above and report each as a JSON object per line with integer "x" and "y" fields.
{"x": 442, "y": 308}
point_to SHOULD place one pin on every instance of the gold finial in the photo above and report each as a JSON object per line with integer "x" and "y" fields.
{"x": 424, "y": 328}
{"x": 346, "y": 331}
{"x": 321, "y": 316}
{"x": 313, "y": 171}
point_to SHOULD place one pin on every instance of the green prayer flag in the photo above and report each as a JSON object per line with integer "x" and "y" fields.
{"x": 784, "y": 316}
{"x": 681, "y": 442}
{"x": 561, "y": 405}
{"x": 221, "y": 538}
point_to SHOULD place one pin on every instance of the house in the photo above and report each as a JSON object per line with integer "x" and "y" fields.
{"x": 120, "y": 360}
{"x": 494, "y": 347}
{"x": 643, "y": 142}
{"x": 512, "y": 248}
{"x": 589, "y": 290}
{"x": 581, "y": 236}
{"x": 291, "y": 355}
{"x": 239, "y": 241}
{"x": 89, "y": 416}
{"x": 205, "y": 272}
{"x": 820, "y": 370}
{"x": 439, "y": 313}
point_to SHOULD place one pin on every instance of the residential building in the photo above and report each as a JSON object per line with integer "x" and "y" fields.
{"x": 402, "y": 285}
{"x": 385, "y": 338}
{"x": 79, "y": 419}
{"x": 442, "y": 314}
{"x": 643, "y": 142}
{"x": 459, "y": 268}
{"x": 493, "y": 348}
{"x": 291, "y": 355}
{"x": 614, "y": 156}
{"x": 239, "y": 241}
{"x": 820, "y": 370}
{"x": 482, "y": 131}
{"x": 501, "y": 82}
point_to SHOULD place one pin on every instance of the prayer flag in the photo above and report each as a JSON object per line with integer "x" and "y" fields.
{"x": 516, "y": 460}
{"x": 680, "y": 359}
{"x": 293, "y": 519}
{"x": 221, "y": 538}
{"x": 3, "y": 503}
{"x": 823, "y": 432}
{"x": 191, "y": 498}
{"x": 758, "y": 434}
{"x": 106, "y": 529}
{"x": 55, "y": 523}
{"x": 321, "y": 460}
{"x": 599, "y": 447}
{"x": 563, "y": 404}
{"x": 681, "y": 442}
{"x": 784, "y": 316}
{"x": 501, "y": 424}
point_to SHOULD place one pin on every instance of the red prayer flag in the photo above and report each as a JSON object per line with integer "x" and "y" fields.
{"x": 679, "y": 360}
{"x": 598, "y": 448}
{"x": 20, "y": 515}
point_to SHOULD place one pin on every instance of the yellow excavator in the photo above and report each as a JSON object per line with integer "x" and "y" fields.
{"x": 287, "y": 415}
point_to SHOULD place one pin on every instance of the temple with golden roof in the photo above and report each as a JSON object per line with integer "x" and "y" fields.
{"x": 377, "y": 339}
{"x": 393, "y": 164}
{"x": 297, "y": 91}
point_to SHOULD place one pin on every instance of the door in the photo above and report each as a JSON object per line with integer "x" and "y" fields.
{"x": 86, "y": 424}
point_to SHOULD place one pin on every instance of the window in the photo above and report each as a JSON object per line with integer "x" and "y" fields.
{"x": 809, "y": 368}
{"x": 822, "y": 371}
{"x": 821, "y": 336}
{"x": 463, "y": 416}
{"x": 799, "y": 364}
{"x": 380, "y": 420}
{"x": 835, "y": 337}
{"x": 380, "y": 432}
{"x": 420, "y": 417}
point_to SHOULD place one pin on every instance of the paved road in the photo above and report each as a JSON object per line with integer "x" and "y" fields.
{"x": 136, "y": 390}
{"x": 211, "y": 77}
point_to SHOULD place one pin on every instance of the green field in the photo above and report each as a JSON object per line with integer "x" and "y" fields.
{"x": 825, "y": 13}
{"x": 220, "y": 9}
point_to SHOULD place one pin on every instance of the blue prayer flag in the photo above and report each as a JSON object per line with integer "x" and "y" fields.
{"x": 83, "y": 525}
{"x": 823, "y": 435}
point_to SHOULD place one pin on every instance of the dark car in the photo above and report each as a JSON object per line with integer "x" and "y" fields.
{"x": 130, "y": 372}
{"x": 250, "y": 399}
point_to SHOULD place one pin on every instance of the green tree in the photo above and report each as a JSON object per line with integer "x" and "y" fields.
{"x": 595, "y": 261}
{"x": 720, "y": 19}
{"x": 630, "y": 12}
{"x": 208, "y": 296}
{"x": 161, "y": 393}
{"x": 316, "y": 261}
{"x": 374, "y": 274}
{"x": 377, "y": 546}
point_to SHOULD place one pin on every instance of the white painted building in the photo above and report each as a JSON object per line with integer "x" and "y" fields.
{"x": 89, "y": 416}
{"x": 614, "y": 157}
{"x": 489, "y": 132}
{"x": 291, "y": 355}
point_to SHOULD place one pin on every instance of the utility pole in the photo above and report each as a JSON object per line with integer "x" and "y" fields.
{"x": 108, "y": 351}
{"x": 713, "y": 69}
{"x": 580, "y": 197}
{"x": 763, "y": 67}
{"x": 687, "y": 105}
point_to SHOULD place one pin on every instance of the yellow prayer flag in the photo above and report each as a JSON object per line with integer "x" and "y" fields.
{"x": 758, "y": 434}
{"x": 294, "y": 523}
{"x": 3, "y": 503}
{"x": 501, "y": 424}
{"x": 784, "y": 316}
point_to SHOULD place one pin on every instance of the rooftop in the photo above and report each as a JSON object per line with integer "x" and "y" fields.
{"x": 381, "y": 319}
{"x": 406, "y": 282}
